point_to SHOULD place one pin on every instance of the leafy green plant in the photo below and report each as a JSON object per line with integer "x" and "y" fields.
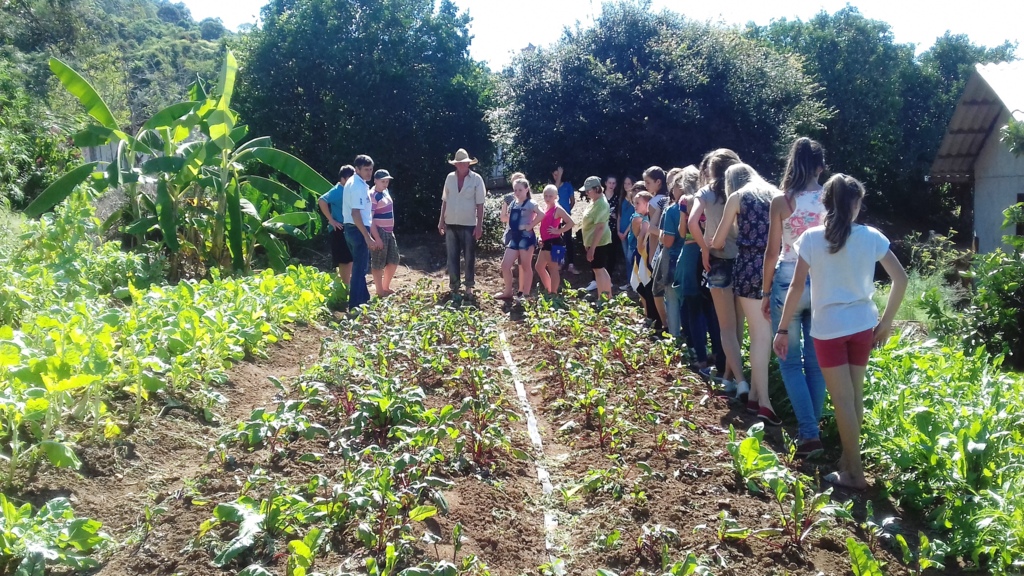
{"x": 204, "y": 206}
{"x": 30, "y": 542}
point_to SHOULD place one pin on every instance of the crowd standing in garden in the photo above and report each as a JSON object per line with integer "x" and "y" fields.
{"x": 706, "y": 249}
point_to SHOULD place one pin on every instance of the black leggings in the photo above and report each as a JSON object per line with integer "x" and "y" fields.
{"x": 646, "y": 291}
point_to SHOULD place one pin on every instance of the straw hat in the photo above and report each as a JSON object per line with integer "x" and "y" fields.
{"x": 461, "y": 156}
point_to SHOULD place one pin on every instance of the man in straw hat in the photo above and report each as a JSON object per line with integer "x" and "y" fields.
{"x": 462, "y": 219}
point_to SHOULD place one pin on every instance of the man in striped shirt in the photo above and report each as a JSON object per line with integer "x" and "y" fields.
{"x": 383, "y": 261}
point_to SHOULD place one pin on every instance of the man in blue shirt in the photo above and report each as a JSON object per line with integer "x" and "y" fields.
{"x": 331, "y": 206}
{"x": 358, "y": 213}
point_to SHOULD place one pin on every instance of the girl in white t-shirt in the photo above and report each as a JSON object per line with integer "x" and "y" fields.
{"x": 841, "y": 257}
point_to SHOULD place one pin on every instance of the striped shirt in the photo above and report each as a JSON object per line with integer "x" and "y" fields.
{"x": 383, "y": 210}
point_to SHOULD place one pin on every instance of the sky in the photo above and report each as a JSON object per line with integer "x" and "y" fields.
{"x": 501, "y": 28}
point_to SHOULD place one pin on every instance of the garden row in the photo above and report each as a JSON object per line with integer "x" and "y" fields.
{"x": 89, "y": 336}
{"x": 642, "y": 478}
{"x": 400, "y": 452}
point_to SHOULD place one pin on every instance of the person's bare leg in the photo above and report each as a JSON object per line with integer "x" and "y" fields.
{"x": 604, "y": 282}
{"x": 543, "y": 259}
{"x": 506, "y": 271}
{"x": 556, "y": 277}
{"x": 839, "y": 383}
{"x": 760, "y": 350}
{"x": 389, "y": 274}
{"x": 378, "y": 282}
{"x": 345, "y": 271}
{"x": 725, "y": 308}
{"x": 526, "y": 271}
{"x": 857, "y": 378}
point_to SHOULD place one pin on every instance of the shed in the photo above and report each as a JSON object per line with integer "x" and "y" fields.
{"x": 971, "y": 153}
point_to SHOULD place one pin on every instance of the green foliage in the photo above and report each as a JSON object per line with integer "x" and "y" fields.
{"x": 334, "y": 71}
{"x": 34, "y": 149}
{"x": 206, "y": 207}
{"x": 32, "y": 542}
{"x": 889, "y": 109}
{"x": 943, "y": 428}
{"x": 802, "y": 511}
{"x": 1013, "y": 136}
{"x": 670, "y": 89}
{"x": 67, "y": 344}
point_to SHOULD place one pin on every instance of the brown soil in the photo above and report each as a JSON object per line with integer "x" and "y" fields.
{"x": 164, "y": 464}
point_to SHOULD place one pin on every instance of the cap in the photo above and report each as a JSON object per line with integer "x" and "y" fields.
{"x": 590, "y": 182}
{"x": 382, "y": 174}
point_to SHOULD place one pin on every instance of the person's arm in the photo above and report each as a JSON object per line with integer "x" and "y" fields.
{"x": 567, "y": 222}
{"x": 896, "y": 292}
{"x": 654, "y": 232}
{"x": 771, "y": 253}
{"x": 357, "y": 218}
{"x": 796, "y": 291}
{"x": 481, "y": 197}
{"x": 505, "y": 206}
{"x": 694, "y": 223}
{"x": 325, "y": 209}
{"x": 684, "y": 223}
{"x": 732, "y": 209}
{"x": 444, "y": 208}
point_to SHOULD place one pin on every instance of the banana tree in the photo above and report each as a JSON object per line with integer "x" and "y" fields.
{"x": 194, "y": 152}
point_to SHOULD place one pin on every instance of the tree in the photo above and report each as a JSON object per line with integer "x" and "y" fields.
{"x": 890, "y": 108}
{"x": 212, "y": 29}
{"x": 639, "y": 89}
{"x": 329, "y": 79}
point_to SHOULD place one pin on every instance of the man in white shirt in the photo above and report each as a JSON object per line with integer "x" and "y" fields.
{"x": 358, "y": 213}
{"x": 462, "y": 219}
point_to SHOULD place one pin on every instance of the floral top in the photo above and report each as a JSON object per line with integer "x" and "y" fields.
{"x": 754, "y": 218}
{"x": 808, "y": 212}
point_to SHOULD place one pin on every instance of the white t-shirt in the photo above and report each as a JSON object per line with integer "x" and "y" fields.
{"x": 357, "y": 197}
{"x": 842, "y": 283}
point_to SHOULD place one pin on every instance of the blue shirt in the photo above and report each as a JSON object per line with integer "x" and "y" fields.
{"x": 357, "y": 197}
{"x": 565, "y": 193}
{"x": 670, "y": 226}
{"x": 333, "y": 197}
{"x": 625, "y": 215}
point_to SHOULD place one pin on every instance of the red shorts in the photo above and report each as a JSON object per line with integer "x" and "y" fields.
{"x": 853, "y": 349}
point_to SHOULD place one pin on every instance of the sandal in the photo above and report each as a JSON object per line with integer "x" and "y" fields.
{"x": 837, "y": 479}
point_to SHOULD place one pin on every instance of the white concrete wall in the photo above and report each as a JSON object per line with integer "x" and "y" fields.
{"x": 998, "y": 179}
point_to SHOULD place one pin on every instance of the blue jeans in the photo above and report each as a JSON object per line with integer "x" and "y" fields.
{"x": 358, "y": 293}
{"x": 800, "y": 371}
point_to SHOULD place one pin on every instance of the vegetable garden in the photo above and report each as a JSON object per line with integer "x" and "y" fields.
{"x": 165, "y": 410}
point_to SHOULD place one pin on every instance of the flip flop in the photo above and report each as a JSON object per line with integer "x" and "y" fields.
{"x": 836, "y": 479}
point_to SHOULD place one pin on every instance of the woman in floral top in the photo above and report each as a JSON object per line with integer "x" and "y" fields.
{"x": 748, "y": 205}
{"x": 798, "y": 209}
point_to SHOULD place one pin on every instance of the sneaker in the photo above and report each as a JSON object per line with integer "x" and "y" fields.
{"x": 742, "y": 392}
{"x": 572, "y": 270}
{"x": 502, "y": 296}
{"x": 592, "y": 286}
{"x": 705, "y": 373}
{"x": 624, "y": 287}
{"x": 728, "y": 388}
{"x": 769, "y": 417}
{"x": 808, "y": 447}
{"x": 753, "y": 407}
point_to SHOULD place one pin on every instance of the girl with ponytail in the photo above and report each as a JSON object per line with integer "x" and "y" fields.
{"x": 791, "y": 213}
{"x": 840, "y": 258}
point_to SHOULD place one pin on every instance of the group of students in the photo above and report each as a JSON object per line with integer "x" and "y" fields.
{"x": 710, "y": 248}
{"x": 362, "y": 229}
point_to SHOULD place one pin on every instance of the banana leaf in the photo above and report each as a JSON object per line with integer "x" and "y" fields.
{"x": 293, "y": 168}
{"x": 55, "y": 193}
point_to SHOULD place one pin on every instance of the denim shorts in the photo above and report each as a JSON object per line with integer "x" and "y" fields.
{"x": 520, "y": 239}
{"x": 720, "y": 275}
